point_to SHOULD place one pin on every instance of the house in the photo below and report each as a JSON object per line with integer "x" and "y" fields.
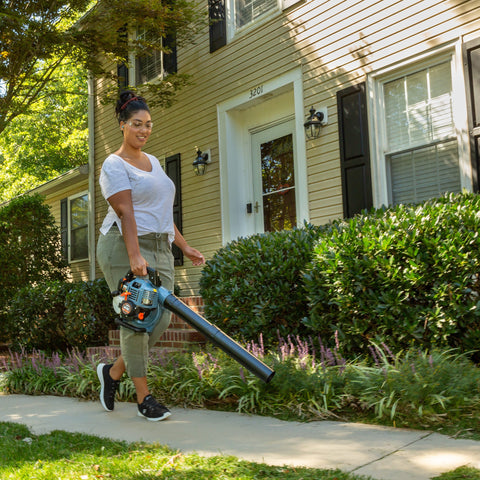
{"x": 395, "y": 86}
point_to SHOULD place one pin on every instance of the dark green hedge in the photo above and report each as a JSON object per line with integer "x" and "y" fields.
{"x": 56, "y": 316}
{"x": 29, "y": 248}
{"x": 406, "y": 276}
{"x": 38, "y": 307}
{"x": 255, "y": 285}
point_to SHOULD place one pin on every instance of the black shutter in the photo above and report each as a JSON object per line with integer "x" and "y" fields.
{"x": 172, "y": 169}
{"x": 122, "y": 76}
{"x": 471, "y": 61}
{"x": 354, "y": 150}
{"x": 170, "y": 59}
{"x": 64, "y": 227}
{"x": 122, "y": 69}
{"x": 218, "y": 24}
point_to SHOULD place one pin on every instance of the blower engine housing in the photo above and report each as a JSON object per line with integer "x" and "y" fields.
{"x": 138, "y": 303}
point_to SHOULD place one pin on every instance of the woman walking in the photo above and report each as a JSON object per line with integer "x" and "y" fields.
{"x": 137, "y": 231}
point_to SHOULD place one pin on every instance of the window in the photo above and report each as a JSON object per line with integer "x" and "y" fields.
{"x": 78, "y": 227}
{"x": 418, "y": 151}
{"x": 158, "y": 63}
{"x": 151, "y": 66}
{"x": 239, "y": 13}
{"x": 246, "y": 11}
{"x": 74, "y": 227}
{"x": 422, "y": 151}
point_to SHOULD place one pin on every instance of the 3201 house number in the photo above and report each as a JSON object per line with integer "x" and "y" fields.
{"x": 255, "y": 92}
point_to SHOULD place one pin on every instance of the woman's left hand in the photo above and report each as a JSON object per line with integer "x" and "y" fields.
{"x": 194, "y": 255}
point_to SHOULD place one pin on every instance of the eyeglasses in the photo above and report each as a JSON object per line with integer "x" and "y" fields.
{"x": 139, "y": 125}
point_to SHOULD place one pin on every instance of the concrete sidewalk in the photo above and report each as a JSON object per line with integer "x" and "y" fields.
{"x": 380, "y": 452}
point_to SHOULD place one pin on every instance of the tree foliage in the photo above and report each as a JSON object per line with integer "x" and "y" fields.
{"x": 51, "y": 139}
{"x": 37, "y": 36}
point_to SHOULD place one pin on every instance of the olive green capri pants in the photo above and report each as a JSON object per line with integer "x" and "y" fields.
{"x": 113, "y": 260}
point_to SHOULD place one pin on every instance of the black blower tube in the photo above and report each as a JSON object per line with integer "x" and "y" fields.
{"x": 219, "y": 338}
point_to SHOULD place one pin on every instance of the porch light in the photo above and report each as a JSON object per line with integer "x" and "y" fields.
{"x": 200, "y": 162}
{"x": 314, "y": 123}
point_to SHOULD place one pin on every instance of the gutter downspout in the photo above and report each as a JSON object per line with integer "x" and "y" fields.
{"x": 91, "y": 177}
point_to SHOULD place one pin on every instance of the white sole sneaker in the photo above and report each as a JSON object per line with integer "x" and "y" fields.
{"x": 157, "y": 419}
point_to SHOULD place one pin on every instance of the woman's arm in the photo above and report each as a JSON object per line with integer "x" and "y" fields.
{"x": 121, "y": 202}
{"x": 194, "y": 255}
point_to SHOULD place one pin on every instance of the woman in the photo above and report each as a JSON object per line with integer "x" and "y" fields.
{"x": 137, "y": 232}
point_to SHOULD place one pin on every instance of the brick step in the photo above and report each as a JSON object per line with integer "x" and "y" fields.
{"x": 108, "y": 352}
{"x": 179, "y": 335}
{"x": 189, "y": 336}
{"x": 112, "y": 353}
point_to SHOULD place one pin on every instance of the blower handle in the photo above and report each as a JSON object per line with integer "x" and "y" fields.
{"x": 152, "y": 274}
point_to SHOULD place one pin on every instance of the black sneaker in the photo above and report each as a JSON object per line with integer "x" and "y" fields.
{"x": 152, "y": 410}
{"x": 109, "y": 386}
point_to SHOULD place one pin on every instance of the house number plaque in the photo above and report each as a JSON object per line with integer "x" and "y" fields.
{"x": 256, "y": 91}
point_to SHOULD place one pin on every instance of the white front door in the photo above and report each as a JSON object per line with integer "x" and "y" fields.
{"x": 274, "y": 204}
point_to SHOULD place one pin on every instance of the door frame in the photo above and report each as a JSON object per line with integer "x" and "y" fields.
{"x": 473, "y": 114}
{"x": 257, "y": 108}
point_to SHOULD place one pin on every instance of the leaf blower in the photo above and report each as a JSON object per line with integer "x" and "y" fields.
{"x": 140, "y": 302}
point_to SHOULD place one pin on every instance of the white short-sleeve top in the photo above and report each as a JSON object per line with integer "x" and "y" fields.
{"x": 153, "y": 194}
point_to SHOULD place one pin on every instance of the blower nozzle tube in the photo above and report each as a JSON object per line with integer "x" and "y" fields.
{"x": 219, "y": 338}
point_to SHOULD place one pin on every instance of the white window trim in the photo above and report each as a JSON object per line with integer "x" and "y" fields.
{"x": 69, "y": 228}
{"x": 376, "y": 110}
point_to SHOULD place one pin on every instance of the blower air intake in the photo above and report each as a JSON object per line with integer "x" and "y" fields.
{"x": 140, "y": 302}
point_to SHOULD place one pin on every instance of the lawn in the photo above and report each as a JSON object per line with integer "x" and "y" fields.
{"x": 74, "y": 456}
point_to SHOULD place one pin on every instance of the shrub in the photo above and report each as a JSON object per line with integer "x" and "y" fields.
{"x": 255, "y": 284}
{"x": 58, "y": 316}
{"x": 414, "y": 384}
{"x": 408, "y": 274}
{"x": 29, "y": 249}
{"x": 88, "y": 314}
{"x": 414, "y": 388}
{"x": 35, "y": 317}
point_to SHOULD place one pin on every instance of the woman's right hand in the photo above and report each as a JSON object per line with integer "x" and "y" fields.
{"x": 138, "y": 266}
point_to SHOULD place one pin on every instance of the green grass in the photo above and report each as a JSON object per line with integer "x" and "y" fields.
{"x": 73, "y": 456}
{"x": 461, "y": 473}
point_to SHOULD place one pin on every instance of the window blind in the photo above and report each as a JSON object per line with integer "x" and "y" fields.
{"x": 422, "y": 153}
{"x": 424, "y": 173}
{"x": 247, "y": 11}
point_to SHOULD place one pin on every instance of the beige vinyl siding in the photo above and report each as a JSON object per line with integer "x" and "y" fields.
{"x": 79, "y": 270}
{"x": 335, "y": 44}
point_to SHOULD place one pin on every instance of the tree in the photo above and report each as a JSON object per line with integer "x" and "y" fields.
{"x": 51, "y": 139}
{"x": 36, "y": 36}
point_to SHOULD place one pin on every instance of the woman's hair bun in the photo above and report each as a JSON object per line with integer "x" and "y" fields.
{"x": 127, "y": 103}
